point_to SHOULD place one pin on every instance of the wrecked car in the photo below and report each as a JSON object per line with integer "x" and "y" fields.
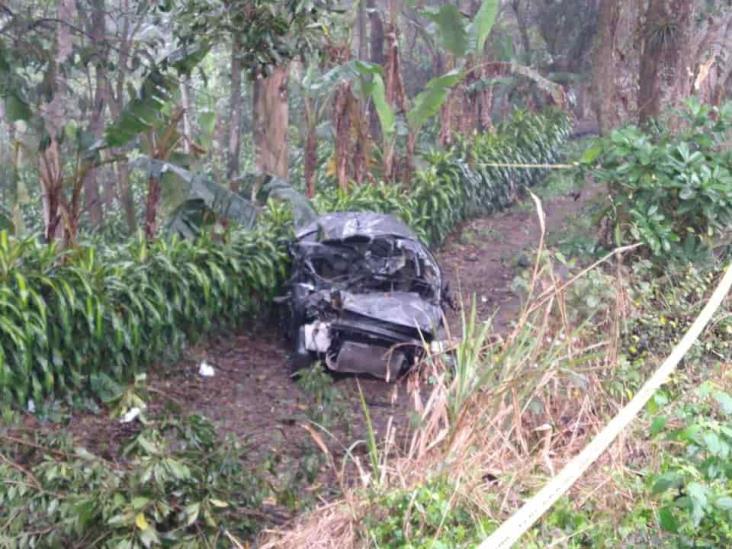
{"x": 365, "y": 295}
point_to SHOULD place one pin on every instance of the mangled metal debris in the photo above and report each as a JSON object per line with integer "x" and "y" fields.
{"x": 365, "y": 294}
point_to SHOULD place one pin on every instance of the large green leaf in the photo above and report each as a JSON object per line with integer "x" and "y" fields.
{"x": 428, "y": 103}
{"x": 384, "y": 111}
{"x": 158, "y": 89}
{"x": 451, "y": 27}
{"x": 482, "y": 23}
{"x": 202, "y": 201}
{"x": 142, "y": 112}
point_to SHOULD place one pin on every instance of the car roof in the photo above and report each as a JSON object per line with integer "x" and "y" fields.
{"x": 342, "y": 225}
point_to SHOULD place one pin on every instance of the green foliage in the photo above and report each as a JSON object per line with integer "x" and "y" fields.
{"x": 458, "y": 35}
{"x": 665, "y": 306}
{"x": 672, "y": 190}
{"x": 452, "y": 28}
{"x": 327, "y": 402}
{"x": 461, "y": 183}
{"x": 428, "y": 102}
{"x": 270, "y": 32}
{"x": 176, "y": 484}
{"x": 69, "y": 320}
{"x": 482, "y": 24}
{"x": 694, "y": 482}
{"x": 423, "y": 517}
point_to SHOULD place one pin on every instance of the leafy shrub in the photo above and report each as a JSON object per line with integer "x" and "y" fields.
{"x": 71, "y": 319}
{"x": 672, "y": 190}
{"x": 694, "y": 483}
{"x": 426, "y": 516}
{"x": 180, "y": 494}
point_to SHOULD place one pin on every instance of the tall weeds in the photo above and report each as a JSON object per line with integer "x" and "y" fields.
{"x": 504, "y": 411}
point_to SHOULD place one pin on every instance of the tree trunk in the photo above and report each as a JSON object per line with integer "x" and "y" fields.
{"x": 714, "y": 58}
{"x": 363, "y": 44}
{"x": 186, "y": 97}
{"x": 54, "y": 114}
{"x": 270, "y": 115}
{"x": 235, "y": 111}
{"x": 311, "y": 149}
{"x": 666, "y": 64}
{"x": 97, "y": 33}
{"x": 151, "y": 207}
{"x": 447, "y": 112}
{"x": 377, "y": 57}
{"x": 395, "y": 93}
{"x": 342, "y": 123}
{"x": 116, "y": 102}
{"x": 615, "y": 63}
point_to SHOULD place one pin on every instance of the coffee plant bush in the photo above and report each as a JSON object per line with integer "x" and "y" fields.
{"x": 175, "y": 484}
{"x": 694, "y": 483}
{"x": 671, "y": 189}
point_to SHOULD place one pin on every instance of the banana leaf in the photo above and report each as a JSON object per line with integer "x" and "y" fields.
{"x": 205, "y": 202}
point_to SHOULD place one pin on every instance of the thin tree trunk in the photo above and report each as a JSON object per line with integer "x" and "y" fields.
{"x": 377, "y": 57}
{"x": 116, "y": 102}
{"x": 361, "y": 144}
{"x": 97, "y": 33}
{"x": 187, "y": 104}
{"x": 270, "y": 117}
{"x": 363, "y": 44}
{"x": 394, "y": 85}
{"x": 485, "y": 108}
{"x": 342, "y": 122}
{"x": 53, "y": 114}
{"x": 311, "y": 150}
{"x": 235, "y": 111}
{"x": 151, "y": 206}
{"x": 446, "y": 112}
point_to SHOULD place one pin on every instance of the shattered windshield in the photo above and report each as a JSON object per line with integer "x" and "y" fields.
{"x": 384, "y": 263}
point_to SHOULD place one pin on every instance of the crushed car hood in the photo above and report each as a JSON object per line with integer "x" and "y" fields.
{"x": 344, "y": 225}
{"x": 402, "y": 308}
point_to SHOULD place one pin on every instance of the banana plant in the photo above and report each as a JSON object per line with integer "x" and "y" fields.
{"x": 196, "y": 201}
{"x": 463, "y": 40}
{"x": 459, "y": 37}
